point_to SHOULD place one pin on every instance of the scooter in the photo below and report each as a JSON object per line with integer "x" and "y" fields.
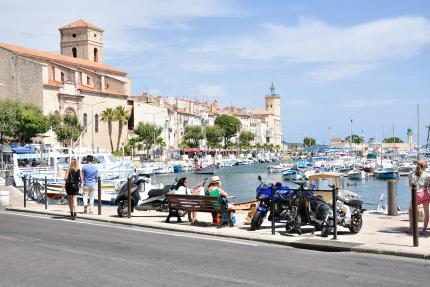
{"x": 352, "y": 220}
{"x": 281, "y": 197}
{"x": 143, "y": 196}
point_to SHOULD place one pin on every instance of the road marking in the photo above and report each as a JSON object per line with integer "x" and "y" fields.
{"x": 196, "y": 236}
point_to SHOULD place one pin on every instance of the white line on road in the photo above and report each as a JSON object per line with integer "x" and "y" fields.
{"x": 136, "y": 229}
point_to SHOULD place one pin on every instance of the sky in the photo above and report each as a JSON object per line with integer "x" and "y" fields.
{"x": 332, "y": 62}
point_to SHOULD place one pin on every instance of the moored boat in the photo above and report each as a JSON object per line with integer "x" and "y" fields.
{"x": 385, "y": 173}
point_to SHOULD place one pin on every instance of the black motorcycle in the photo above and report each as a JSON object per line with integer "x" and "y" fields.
{"x": 143, "y": 197}
{"x": 307, "y": 209}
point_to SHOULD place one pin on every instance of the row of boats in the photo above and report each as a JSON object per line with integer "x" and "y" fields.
{"x": 354, "y": 168}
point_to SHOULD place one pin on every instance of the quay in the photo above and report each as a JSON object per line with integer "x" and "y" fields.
{"x": 380, "y": 234}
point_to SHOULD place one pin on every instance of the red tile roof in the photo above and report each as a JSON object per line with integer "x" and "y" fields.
{"x": 66, "y": 60}
{"x": 81, "y": 24}
{"x": 54, "y": 84}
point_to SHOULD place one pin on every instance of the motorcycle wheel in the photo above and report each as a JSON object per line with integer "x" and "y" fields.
{"x": 257, "y": 220}
{"x": 356, "y": 223}
{"x": 122, "y": 209}
{"x": 327, "y": 228}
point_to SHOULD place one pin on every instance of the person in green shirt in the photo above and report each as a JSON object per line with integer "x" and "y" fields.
{"x": 214, "y": 189}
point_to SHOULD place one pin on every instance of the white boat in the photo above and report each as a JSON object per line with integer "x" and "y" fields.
{"x": 357, "y": 174}
{"x": 292, "y": 174}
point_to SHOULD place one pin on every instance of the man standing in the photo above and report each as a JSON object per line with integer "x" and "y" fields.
{"x": 90, "y": 175}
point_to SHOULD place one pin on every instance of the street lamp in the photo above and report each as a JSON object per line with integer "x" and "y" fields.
{"x": 92, "y": 121}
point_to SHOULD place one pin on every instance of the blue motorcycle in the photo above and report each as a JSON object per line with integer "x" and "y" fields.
{"x": 282, "y": 196}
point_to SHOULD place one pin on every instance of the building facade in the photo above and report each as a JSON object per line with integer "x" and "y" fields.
{"x": 76, "y": 82}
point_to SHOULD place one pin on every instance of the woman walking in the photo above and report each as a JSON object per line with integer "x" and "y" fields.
{"x": 421, "y": 180}
{"x": 73, "y": 181}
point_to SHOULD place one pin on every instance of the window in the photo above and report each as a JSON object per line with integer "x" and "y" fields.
{"x": 107, "y": 86}
{"x": 85, "y": 119}
{"x": 74, "y": 35}
{"x": 88, "y": 81}
{"x": 74, "y": 52}
{"x": 53, "y": 74}
{"x": 95, "y": 55}
{"x": 95, "y": 35}
{"x": 62, "y": 77}
{"x": 96, "y": 123}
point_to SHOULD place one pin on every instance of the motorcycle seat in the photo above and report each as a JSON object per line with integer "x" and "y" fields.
{"x": 159, "y": 191}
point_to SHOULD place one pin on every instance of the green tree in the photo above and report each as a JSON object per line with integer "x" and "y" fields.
{"x": 121, "y": 116}
{"x": 245, "y": 139}
{"x": 192, "y": 136}
{"x": 230, "y": 126}
{"x": 9, "y": 119}
{"x": 21, "y": 122}
{"x": 68, "y": 129}
{"x": 392, "y": 140}
{"x": 308, "y": 141}
{"x": 355, "y": 139}
{"x": 214, "y": 136}
{"x": 108, "y": 116}
{"x": 148, "y": 134}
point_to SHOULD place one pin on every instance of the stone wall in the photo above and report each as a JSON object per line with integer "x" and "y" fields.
{"x": 21, "y": 78}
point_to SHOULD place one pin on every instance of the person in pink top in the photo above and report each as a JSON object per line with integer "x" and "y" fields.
{"x": 421, "y": 180}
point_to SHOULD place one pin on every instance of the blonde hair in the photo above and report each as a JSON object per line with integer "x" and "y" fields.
{"x": 74, "y": 165}
{"x": 421, "y": 166}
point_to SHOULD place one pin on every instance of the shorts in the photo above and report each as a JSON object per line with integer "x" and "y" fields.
{"x": 423, "y": 196}
{"x": 89, "y": 190}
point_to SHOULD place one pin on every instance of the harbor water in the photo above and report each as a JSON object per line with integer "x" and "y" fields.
{"x": 241, "y": 181}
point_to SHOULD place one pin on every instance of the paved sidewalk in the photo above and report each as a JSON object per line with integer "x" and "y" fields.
{"x": 380, "y": 234}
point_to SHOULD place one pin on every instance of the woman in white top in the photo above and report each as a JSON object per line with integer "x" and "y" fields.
{"x": 182, "y": 188}
{"x": 420, "y": 179}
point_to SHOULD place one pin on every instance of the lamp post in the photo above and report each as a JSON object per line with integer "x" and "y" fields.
{"x": 92, "y": 117}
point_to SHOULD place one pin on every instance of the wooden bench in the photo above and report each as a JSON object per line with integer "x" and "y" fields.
{"x": 197, "y": 203}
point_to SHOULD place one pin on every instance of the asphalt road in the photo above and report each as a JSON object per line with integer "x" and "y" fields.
{"x": 37, "y": 250}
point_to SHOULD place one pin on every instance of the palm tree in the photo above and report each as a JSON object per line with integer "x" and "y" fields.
{"x": 120, "y": 115}
{"x": 108, "y": 116}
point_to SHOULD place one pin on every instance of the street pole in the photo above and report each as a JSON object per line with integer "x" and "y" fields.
{"x": 350, "y": 136}
{"x": 92, "y": 128}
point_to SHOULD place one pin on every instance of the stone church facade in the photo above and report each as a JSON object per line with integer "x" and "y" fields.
{"x": 76, "y": 81}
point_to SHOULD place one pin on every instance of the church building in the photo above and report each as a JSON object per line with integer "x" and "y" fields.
{"x": 77, "y": 81}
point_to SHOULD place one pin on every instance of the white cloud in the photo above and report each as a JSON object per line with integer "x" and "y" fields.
{"x": 35, "y": 23}
{"x": 333, "y": 72}
{"x": 348, "y": 50}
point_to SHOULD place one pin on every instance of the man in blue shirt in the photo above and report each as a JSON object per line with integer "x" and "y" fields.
{"x": 90, "y": 174}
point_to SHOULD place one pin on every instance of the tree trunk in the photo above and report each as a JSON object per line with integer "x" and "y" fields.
{"x": 119, "y": 134}
{"x": 110, "y": 135}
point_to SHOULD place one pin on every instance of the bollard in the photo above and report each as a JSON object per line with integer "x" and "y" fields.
{"x": 25, "y": 191}
{"x": 392, "y": 197}
{"x": 129, "y": 197}
{"x": 334, "y": 197}
{"x": 99, "y": 195}
{"x": 414, "y": 215}
{"x": 272, "y": 208}
{"x": 46, "y": 193}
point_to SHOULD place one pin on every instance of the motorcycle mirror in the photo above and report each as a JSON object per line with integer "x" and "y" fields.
{"x": 259, "y": 177}
{"x": 176, "y": 179}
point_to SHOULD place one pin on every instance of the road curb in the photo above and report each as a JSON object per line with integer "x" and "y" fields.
{"x": 310, "y": 244}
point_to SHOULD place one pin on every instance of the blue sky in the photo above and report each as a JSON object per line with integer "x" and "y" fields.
{"x": 331, "y": 61}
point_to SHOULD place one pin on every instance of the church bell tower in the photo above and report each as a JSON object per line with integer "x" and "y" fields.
{"x": 82, "y": 40}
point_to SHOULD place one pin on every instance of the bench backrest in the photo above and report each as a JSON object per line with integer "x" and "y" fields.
{"x": 199, "y": 202}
